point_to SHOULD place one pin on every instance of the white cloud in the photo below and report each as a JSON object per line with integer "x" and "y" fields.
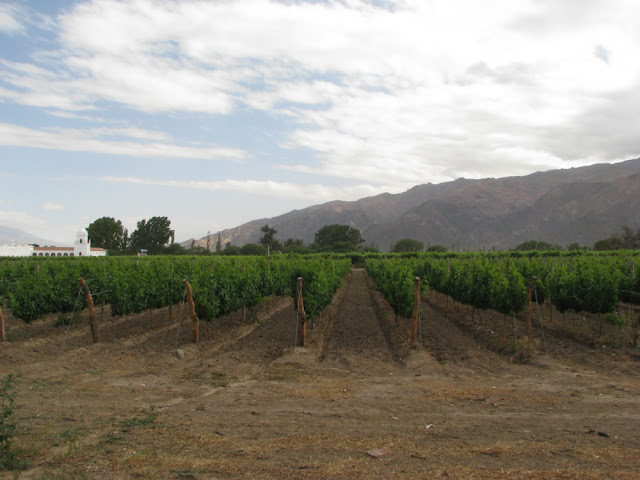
{"x": 8, "y": 19}
{"x": 21, "y": 220}
{"x": 92, "y": 140}
{"x": 52, "y": 207}
{"x": 267, "y": 188}
{"x": 396, "y": 96}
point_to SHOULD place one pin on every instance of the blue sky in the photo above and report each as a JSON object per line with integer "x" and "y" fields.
{"x": 214, "y": 113}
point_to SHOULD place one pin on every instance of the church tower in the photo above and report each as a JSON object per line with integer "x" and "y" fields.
{"x": 82, "y": 246}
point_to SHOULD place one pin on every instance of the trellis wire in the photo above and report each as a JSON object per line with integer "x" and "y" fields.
{"x": 75, "y": 305}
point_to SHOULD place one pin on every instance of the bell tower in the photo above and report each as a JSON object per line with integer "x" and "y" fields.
{"x": 82, "y": 246}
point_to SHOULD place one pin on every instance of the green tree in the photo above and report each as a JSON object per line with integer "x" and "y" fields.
{"x": 152, "y": 235}
{"x": 230, "y": 249}
{"x": 338, "y": 237}
{"x": 407, "y": 245}
{"x": 536, "y": 245}
{"x": 107, "y": 232}
{"x": 437, "y": 248}
{"x": 624, "y": 240}
{"x": 253, "y": 249}
{"x": 268, "y": 239}
{"x": 219, "y": 244}
{"x": 293, "y": 245}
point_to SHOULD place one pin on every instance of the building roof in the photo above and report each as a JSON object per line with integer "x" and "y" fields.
{"x": 67, "y": 249}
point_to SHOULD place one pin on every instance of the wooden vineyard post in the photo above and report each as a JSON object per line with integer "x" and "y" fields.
{"x": 192, "y": 309}
{"x": 92, "y": 311}
{"x": 416, "y": 312}
{"x": 302, "y": 317}
{"x": 3, "y": 337}
{"x": 529, "y": 290}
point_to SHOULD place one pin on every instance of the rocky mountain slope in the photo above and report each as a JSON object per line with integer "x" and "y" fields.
{"x": 560, "y": 206}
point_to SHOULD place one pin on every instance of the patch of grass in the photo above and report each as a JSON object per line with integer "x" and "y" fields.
{"x": 10, "y": 457}
{"x": 189, "y": 474}
{"x": 146, "y": 418}
{"x": 213, "y": 378}
{"x": 66, "y": 436}
{"x": 63, "y": 476}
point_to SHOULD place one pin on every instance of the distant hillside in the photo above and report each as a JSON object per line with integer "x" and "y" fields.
{"x": 8, "y": 235}
{"x": 560, "y": 206}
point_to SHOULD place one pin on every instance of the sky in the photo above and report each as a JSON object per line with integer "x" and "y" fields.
{"x": 214, "y": 113}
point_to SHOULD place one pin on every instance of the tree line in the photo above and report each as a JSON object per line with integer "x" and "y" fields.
{"x": 155, "y": 236}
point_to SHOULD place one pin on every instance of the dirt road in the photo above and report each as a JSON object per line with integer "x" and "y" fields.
{"x": 355, "y": 403}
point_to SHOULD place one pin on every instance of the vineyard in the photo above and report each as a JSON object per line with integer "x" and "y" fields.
{"x": 247, "y": 401}
{"x": 32, "y": 288}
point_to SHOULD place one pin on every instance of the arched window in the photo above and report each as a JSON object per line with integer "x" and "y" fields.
{"x": 71, "y": 254}
{"x": 40, "y": 254}
{"x": 59, "y": 254}
{"x": 35, "y": 254}
{"x": 80, "y": 254}
{"x": 46, "y": 254}
{"x": 66, "y": 254}
{"x": 80, "y": 240}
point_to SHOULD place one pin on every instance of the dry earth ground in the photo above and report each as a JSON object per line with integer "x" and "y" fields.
{"x": 355, "y": 403}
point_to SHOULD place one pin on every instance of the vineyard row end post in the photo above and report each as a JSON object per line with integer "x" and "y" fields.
{"x": 92, "y": 311}
{"x": 302, "y": 316}
{"x": 416, "y": 312}
{"x": 192, "y": 310}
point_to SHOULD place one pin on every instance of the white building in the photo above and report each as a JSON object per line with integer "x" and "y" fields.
{"x": 81, "y": 248}
{"x": 14, "y": 250}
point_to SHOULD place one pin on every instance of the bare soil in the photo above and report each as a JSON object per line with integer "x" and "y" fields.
{"x": 246, "y": 403}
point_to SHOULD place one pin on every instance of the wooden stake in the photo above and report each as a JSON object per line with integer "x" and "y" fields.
{"x": 92, "y": 311}
{"x": 529, "y": 290}
{"x": 3, "y": 337}
{"x": 416, "y": 312}
{"x": 302, "y": 316}
{"x": 192, "y": 309}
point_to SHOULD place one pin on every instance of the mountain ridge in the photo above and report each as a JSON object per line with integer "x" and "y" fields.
{"x": 582, "y": 204}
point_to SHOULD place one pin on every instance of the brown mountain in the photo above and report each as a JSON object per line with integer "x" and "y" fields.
{"x": 560, "y": 206}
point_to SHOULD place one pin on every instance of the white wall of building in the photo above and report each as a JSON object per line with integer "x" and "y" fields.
{"x": 14, "y": 250}
{"x": 81, "y": 248}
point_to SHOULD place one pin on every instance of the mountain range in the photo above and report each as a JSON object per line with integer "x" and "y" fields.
{"x": 20, "y": 237}
{"x": 580, "y": 205}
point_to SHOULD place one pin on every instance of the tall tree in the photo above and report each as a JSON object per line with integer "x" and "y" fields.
{"x": 107, "y": 232}
{"x": 219, "y": 244}
{"x": 152, "y": 235}
{"x": 269, "y": 239}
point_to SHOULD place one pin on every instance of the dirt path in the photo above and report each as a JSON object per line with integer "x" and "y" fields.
{"x": 246, "y": 404}
{"x": 355, "y": 337}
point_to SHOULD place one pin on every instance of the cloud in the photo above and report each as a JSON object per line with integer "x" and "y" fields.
{"x": 152, "y": 144}
{"x": 52, "y": 207}
{"x": 395, "y": 95}
{"x": 260, "y": 187}
{"x": 8, "y": 20}
{"x": 21, "y": 220}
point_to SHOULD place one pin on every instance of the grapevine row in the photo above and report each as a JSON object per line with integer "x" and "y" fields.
{"x": 36, "y": 287}
{"x": 586, "y": 283}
